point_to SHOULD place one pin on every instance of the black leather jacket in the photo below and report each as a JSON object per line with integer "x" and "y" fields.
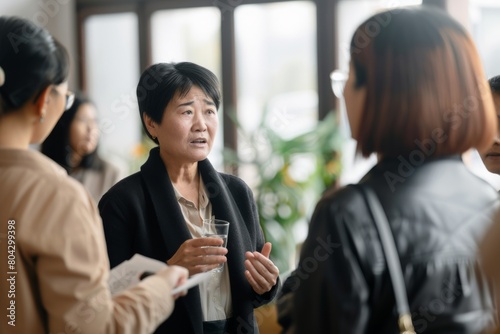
{"x": 438, "y": 213}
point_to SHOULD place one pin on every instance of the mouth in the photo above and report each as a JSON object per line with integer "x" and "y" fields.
{"x": 493, "y": 154}
{"x": 199, "y": 141}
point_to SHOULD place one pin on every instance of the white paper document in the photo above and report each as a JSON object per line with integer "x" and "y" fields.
{"x": 192, "y": 281}
{"x": 128, "y": 273}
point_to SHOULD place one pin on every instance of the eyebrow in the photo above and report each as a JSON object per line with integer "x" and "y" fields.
{"x": 191, "y": 102}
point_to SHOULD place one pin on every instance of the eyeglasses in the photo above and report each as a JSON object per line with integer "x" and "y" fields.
{"x": 338, "y": 79}
{"x": 70, "y": 99}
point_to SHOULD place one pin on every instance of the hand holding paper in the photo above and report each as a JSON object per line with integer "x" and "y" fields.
{"x": 191, "y": 282}
{"x": 128, "y": 273}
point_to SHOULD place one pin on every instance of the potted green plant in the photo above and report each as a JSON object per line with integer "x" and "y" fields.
{"x": 285, "y": 197}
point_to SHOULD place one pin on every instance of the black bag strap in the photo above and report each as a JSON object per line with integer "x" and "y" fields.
{"x": 391, "y": 255}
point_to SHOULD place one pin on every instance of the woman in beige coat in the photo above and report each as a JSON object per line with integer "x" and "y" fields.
{"x": 53, "y": 262}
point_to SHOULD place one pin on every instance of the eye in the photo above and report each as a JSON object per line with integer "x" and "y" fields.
{"x": 211, "y": 112}
{"x": 187, "y": 112}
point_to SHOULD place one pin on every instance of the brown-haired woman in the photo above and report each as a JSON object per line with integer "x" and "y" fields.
{"x": 417, "y": 96}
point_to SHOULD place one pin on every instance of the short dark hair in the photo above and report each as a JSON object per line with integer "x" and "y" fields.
{"x": 495, "y": 84}
{"x": 31, "y": 60}
{"x": 424, "y": 81}
{"x": 57, "y": 145}
{"x": 160, "y": 82}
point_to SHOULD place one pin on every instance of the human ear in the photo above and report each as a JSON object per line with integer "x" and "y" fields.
{"x": 41, "y": 102}
{"x": 151, "y": 125}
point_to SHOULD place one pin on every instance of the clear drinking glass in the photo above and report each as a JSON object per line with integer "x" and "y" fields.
{"x": 216, "y": 228}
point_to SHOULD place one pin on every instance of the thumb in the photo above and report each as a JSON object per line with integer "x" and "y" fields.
{"x": 266, "y": 249}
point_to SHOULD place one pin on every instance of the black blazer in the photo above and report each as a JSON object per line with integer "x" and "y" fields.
{"x": 141, "y": 215}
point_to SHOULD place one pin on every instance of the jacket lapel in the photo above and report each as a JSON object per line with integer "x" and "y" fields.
{"x": 225, "y": 208}
{"x": 169, "y": 216}
{"x": 172, "y": 225}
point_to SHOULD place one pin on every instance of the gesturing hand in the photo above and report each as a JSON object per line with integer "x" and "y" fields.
{"x": 261, "y": 272}
{"x": 199, "y": 255}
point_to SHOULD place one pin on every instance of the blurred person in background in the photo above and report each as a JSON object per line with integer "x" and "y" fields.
{"x": 73, "y": 145}
{"x": 416, "y": 95}
{"x": 491, "y": 157}
{"x": 54, "y": 264}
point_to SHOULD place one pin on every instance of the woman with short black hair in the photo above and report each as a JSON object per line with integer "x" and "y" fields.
{"x": 159, "y": 211}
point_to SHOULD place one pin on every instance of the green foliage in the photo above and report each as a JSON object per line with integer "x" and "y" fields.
{"x": 287, "y": 191}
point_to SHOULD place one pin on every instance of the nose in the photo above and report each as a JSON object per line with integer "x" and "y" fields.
{"x": 91, "y": 125}
{"x": 199, "y": 123}
{"x": 92, "y": 128}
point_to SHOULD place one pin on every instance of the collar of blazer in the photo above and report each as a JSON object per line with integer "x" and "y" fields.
{"x": 168, "y": 213}
{"x": 174, "y": 230}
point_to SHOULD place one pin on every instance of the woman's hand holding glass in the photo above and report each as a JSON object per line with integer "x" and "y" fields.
{"x": 199, "y": 255}
{"x": 261, "y": 272}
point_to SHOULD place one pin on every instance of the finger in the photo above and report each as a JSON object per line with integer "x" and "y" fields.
{"x": 212, "y": 260}
{"x": 179, "y": 283}
{"x": 266, "y": 262}
{"x": 193, "y": 253}
{"x": 205, "y": 241}
{"x": 265, "y": 268}
{"x": 249, "y": 255}
{"x": 183, "y": 276}
{"x": 175, "y": 275}
{"x": 207, "y": 260}
{"x": 211, "y": 251}
{"x": 193, "y": 261}
{"x": 253, "y": 283}
{"x": 266, "y": 249}
{"x": 202, "y": 269}
{"x": 180, "y": 294}
{"x": 264, "y": 282}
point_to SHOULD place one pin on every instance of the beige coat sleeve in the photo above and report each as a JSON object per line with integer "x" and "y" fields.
{"x": 73, "y": 269}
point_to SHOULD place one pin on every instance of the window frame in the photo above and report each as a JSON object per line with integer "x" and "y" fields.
{"x": 326, "y": 49}
{"x": 326, "y": 52}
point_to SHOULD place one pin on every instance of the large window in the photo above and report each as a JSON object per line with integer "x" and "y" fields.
{"x": 276, "y": 65}
{"x": 265, "y": 55}
{"x": 276, "y": 71}
{"x": 187, "y": 34}
{"x": 193, "y": 35}
{"x": 111, "y": 75}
